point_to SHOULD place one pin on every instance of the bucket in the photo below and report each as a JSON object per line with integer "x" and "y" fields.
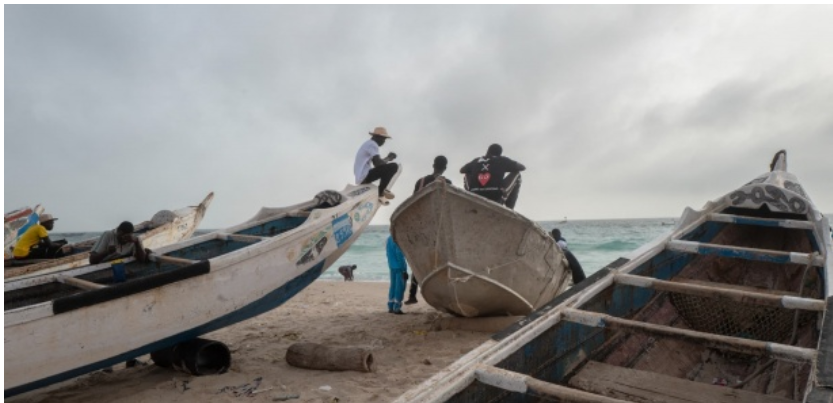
{"x": 119, "y": 275}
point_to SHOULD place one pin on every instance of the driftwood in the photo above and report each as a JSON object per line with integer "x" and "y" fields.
{"x": 317, "y": 356}
{"x": 485, "y": 325}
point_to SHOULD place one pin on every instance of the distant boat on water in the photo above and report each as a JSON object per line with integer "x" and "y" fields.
{"x": 564, "y": 221}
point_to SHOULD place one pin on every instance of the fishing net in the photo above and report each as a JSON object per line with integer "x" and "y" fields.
{"x": 731, "y": 318}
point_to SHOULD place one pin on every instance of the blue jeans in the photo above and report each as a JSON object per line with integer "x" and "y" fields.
{"x": 396, "y": 293}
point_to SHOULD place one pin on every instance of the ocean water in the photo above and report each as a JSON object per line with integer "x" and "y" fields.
{"x": 595, "y": 243}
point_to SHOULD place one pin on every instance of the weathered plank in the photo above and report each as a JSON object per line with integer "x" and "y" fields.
{"x": 648, "y": 387}
{"x": 747, "y": 295}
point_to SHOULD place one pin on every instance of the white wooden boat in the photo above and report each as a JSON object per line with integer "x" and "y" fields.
{"x": 730, "y": 306}
{"x": 473, "y": 257}
{"x": 77, "y": 321}
{"x": 164, "y": 228}
{"x": 15, "y": 223}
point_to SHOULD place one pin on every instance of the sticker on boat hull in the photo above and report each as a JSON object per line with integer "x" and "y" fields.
{"x": 342, "y": 229}
{"x": 363, "y": 212}
{"x": 312, "y": 248}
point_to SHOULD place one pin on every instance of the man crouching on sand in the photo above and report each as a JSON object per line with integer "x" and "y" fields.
{"x": 347, "y": 272}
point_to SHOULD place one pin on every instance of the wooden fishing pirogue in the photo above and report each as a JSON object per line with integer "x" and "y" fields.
{"x": 729, "y": 307}
{"x": 164, "y": 228}
{"x": 473, "y": 257}
{"x": 62, "y": 325}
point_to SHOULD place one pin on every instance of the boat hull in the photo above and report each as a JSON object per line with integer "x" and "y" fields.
{"x": 238, "y": 273}
{"x": 473, "y": 257}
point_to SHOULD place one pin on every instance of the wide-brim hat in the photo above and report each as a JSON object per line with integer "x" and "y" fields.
{"x": 46, "y": 218}
{"x": 380, "y": 131}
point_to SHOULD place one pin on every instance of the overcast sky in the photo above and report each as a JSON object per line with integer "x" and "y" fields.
{"x": 115, "y": 112}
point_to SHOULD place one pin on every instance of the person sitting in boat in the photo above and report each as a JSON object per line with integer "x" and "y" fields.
{"x": 575, "y": 267}
{"x": 370, "y": 167}
{"x": 118, "y": 243}
{"x": 35, "y": 242}
{"x": 494, "y": 177}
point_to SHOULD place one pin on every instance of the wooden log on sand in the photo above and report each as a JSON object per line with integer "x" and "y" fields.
{"x": 317, "y": 356}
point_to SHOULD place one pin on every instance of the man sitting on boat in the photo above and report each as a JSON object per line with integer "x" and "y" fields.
{"x": 494, "y": 177}
{"x": 35, "y": 242}
{"x": 118, "y": 243}
{"x": 369, "y": 167}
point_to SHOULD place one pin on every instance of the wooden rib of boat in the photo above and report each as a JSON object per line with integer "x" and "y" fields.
{"x": 730, "y": 307}
{"x": 473, "y": 257}
{"x": 164, "y": 228}
{"x": 15, "y": 224}
{"x": 66, "y": 324}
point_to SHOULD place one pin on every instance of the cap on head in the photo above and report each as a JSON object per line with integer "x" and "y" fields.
{"x": 440, "y": 162}
{"x": 125, "y": 227}
{"x": 45, "y": 218}
{"x": 380, "y": 131}
{"x": 495, "y": 150}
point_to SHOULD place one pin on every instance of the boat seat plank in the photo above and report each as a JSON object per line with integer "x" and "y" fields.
{"x": 300, "y": 213}
{"x": 521, "y": 383}
{"x": 172, "y": 260}
{"x": 762, "y": 222}
{"x": 648, "y": 387}
{"x": 742, "y": 294}
{"x": 736, "y": 344}
{"x": 79, "y": 283}
{"x": 763, "y": 255}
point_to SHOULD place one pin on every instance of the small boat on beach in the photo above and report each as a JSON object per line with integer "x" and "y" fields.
{"x": 16, "y": 222}
{"x": 66, "y": 324}
{"x": 164, "y": 228}
{"x": 731, "y": 306}
{"x": 473, "y": 257}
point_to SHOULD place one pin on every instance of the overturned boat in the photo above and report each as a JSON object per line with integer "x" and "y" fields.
{"x": 731, "y": 306}
{"x": 473, "y": 257}
{"x": 69, "y": 323}
{"x": 164, "y": 228}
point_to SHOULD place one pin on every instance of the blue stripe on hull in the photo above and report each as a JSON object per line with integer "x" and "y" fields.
{"x": 269, "y": 301}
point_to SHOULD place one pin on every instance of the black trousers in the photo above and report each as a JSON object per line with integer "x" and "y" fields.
{"x": 507, "y": 195}
{"x": 384, "y": 172}
{"x": 42, "y": 251}
{"x": 414, "y": 287}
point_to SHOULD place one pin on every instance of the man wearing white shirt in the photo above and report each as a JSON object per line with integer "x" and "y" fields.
{"x": 370, "y": 167}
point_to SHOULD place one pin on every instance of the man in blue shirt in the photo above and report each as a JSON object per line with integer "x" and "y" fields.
{"x": 398, "y": 267}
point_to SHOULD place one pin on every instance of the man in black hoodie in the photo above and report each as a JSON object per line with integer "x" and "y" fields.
{"x": 494, "y": 177}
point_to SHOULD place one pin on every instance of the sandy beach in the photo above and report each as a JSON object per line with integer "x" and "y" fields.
{"x": 406, "y": 350}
